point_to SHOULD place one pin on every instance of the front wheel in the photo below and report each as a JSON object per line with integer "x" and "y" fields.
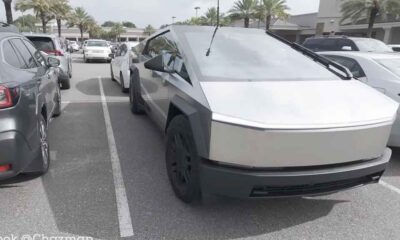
{"x": 57, "y": 110}
{"x": 121, "y": 79}
{"x": 182, "y": 160}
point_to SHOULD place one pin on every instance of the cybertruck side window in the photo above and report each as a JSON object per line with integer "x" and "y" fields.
{"x": 166, "y": 43}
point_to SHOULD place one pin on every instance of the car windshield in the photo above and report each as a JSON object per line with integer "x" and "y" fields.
{"x": 97, "y": 44}
{"x": 392, "y": 64}
{"x": 251, "y": 56}
{"x": 371, "y": 45}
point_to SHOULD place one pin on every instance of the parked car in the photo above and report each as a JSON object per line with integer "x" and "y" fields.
{"x": 269, "y": 119}
{"x": 114, "y": 47}
{"x": 97, "y": 50}
{"x": 53, "y": 46}
{"x": 29, "y": 97}
{"x": 74, "y": 47}
{"x": 395, "y": 47}
{"x": 120, "y": 64}
{"x": 380, "y": 71}
{"x": 343, "y": 43}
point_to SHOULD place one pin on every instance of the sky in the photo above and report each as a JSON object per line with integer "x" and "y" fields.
{"x": 159, "y": 12}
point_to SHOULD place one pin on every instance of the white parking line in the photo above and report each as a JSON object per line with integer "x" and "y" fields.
{"x": 389, "y": 186}
{"x": 124, "y": 216}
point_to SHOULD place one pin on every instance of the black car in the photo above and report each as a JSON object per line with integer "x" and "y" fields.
{"x": 343, "y": 43}
{"x": 29, "y": 98}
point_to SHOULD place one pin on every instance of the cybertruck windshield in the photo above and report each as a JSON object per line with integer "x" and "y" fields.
{"x": 250, "y": 55}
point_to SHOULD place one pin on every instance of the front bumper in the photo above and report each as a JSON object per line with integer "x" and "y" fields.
{"x": 289, "y": 182}
{"x": 14, "y": 150}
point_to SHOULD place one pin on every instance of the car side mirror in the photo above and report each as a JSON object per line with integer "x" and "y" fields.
{"x": 157, "y": 64}
{"x": 112, "y": 55}
{"x": 347, "y": 48}
{"x": 53, "y": 62}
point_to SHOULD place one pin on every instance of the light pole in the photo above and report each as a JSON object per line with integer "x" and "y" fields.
{"x": 173, "y": 19}
{"x": 197, "y": 11}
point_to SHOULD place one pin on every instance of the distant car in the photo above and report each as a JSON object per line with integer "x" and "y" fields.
{"x": 343, "y": 43}
{"x": 29, "y": 97}
{"x": 395, "y": 47}
{"x": 256, "y": 116}
{"x": 120, "y": 64}
{"x": 74, "y": 46}
{"x": 97, "y": 50}
{"x": 53, "y": 46}
{"x": 380, "y": 71}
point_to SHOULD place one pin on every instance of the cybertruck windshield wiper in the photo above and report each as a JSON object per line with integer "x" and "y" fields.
{"x": 215, "y": 32}
{"x": 316, "y": 57}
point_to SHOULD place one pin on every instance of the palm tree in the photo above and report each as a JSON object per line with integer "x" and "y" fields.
{"x": 62, "y": 11}
{"x": 7, "y": 6}
{"x": 355, "y": 10}
{"x": 274, "y": 9}
{"x": 26, "y": 23}
{"x": 42, "y": 9}
{"x": 117, "y": 30}
{"x": 244, "y": 9}
{"x": 149, "y": 30}
{"x": 210, "y": 17}
{"x": 81, "y": 19}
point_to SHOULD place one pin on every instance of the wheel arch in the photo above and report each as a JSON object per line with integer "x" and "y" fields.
{"x": 178, "y": 106}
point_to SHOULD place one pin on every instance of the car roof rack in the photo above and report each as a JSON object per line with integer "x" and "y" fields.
{"x": 5, "y": 27}
{"x": 316, "y": 57}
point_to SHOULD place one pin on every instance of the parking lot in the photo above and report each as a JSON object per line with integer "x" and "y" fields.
{"x": 107, "y": 179}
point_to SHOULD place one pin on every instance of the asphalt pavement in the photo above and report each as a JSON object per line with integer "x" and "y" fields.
{"x": 107, "y": 179}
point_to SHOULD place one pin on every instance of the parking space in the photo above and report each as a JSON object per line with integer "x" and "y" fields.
{"x": 78, "y": 195}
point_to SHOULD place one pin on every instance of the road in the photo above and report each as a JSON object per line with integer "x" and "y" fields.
{"x": 96, "y": 145}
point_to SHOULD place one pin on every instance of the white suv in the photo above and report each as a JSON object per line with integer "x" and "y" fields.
{"x": 97, "y": 50}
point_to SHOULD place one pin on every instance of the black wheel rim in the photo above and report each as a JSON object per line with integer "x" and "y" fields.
{"x": 180, "y": 162}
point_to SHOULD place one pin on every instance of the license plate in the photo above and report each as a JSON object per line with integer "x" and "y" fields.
{"x": 98, "y": 51}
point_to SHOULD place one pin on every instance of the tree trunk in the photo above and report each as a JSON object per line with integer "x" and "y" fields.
{"x": 59, "y": 26}
{"x": 7, "y": 6}
{"x": 44, "y": 23}
{"x": 81, "y": 30}
{"x": 267, "y": 22}
{"x": 372, "y": 17}
{"x": 246, "y": 22}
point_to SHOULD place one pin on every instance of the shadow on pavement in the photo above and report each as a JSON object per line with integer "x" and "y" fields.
{"x": 394, "y": 166}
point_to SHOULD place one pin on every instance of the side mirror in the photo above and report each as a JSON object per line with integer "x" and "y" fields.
{"x": 158, "y": 64}
{"x": 112, "y": 55}
{"x": 53, "y": 62}
{"x": 347, "y": 48}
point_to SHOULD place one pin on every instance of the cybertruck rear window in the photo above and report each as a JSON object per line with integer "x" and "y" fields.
{"x": 251, "y": 56}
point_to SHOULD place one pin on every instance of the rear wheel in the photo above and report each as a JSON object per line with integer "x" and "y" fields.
{"x": 57, "y": 110}
{"x": 182, "y": 160}
{"x": 66, "y": 83}
{"x": 44, "y": 155}
{"x": 123, "y": 89}
{"x": 112, "y": 73}
{"x": 135, "y": 100}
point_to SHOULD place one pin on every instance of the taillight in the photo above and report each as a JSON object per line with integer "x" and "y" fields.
{"x": 55, "y": 52}
{"x": 8, "y": 96}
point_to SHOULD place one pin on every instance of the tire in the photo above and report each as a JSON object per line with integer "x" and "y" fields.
{"x": 44, "y": 155}
{"x": 123, "y": 89}
{"x": 182, "y": 160}
{"x": 70, "y": 71}
{"x": 135, "y": 101}
{"x": 112, "y": 74}
{"x": 57, "y": 110}
{"x": 66, "y": 83}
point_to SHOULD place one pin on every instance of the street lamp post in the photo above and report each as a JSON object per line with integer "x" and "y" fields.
{"x": 197, "y": 11}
